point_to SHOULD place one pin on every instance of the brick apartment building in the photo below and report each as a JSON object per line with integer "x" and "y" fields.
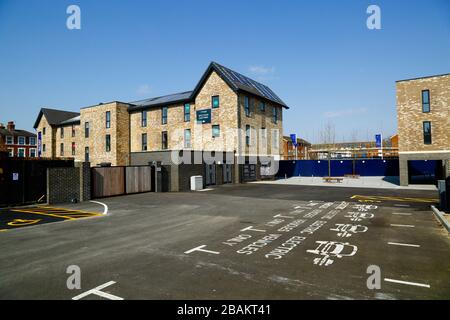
{"x": 18, "y": 143}
{"x": 303, "y": 148}
{"x": 139, "y": 132}
{"x": 423, "y": 114}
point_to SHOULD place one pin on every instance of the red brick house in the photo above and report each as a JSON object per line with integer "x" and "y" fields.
{"x": 18, "y": 143}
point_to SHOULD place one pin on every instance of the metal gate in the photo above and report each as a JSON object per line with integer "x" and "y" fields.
{"x": 210, "y": 174}
{"x": 227, "y": 173}
{"x": 249, "y": 172}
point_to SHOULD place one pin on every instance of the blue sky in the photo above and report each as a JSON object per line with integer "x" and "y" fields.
{"x": 318, "y": 56}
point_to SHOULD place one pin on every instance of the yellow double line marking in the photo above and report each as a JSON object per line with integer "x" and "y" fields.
{"x": 400, "y": 199}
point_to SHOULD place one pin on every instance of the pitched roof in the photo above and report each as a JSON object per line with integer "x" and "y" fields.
{"x": 163, "y": 100}
{"x": 55, "y": 117}
{"x": 71, "y": 120}
{"x": 235, "y": 80}
{"x": 16, "y": 132}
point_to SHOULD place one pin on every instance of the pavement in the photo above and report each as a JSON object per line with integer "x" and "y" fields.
{"x": 250, "y": 241}
{"x": 361, "y": 182}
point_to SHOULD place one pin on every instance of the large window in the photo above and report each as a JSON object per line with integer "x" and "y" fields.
{"x": 73, "y": 148}
{"x": 144, "y": 142}
{"x": 216, "y": 131}
{"x": 21, "y": 152}
{"x": 86, "y": 154}
{"x": 187, "y": 138}
{"x": 426, "y": 101}
{"x": 11, "y": 152}
{"x": 247, "y": 106}
{"x": 61, "y": 149}
{"x": 427, "y": 132}
{"x": 32, "y": 153}
{"x": 22, "y": 141}
{"x": 164, "y": 115}
{"x": 43, "y": 131}
{"x": 187, "y": 112}
{"x": 43, "y": 147}
{"x": 143, "y": 118}
{"x": 108, "y": 119}
{"x": 262, "y": 106}
{"x": 215, "y": 102}
{"x": 164, "y": 144}
{"x": 32, "y": 141}
{"x": 73, "y": 131}
{"x": 86, "y": 129}
{"x": 9, "y": 140}
{"x": 61, "y": 132}
{"x": 108, "y": 142}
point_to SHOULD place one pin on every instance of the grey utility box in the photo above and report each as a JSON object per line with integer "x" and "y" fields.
{"x": 444, "y": 193}
{"x": 196, "y": 183}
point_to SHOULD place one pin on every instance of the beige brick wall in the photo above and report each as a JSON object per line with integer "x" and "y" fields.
{"x": 119, "y": 131}
{"x": 410, "y": 116}
{"x": 48, "y": 138}
{"x": 67, "y": 141}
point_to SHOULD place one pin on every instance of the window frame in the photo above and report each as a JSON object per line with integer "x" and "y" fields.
{"x": 426, "y": 141}
{"x": 24, "y": 153}
{"x": 212, "y": 101}
{"x": 12, "y": 140}
{"x": 108, "y": 119}
{"x": 428, "y": 104}
{"x": 107, "y": 143}
{"x": 61, "y": 149}
{"x": 262, "y": 106}
{"x": 275, "y": 114}
{"x": 144, "y": 146}
{"x": 164, "y": 142}
{"x": 87, "y": 154}
{"x": 187, "y": 115}
{"x": 144, "y": 115}
{"x": 164, "y": 114}
{"x": 29, "y": 141}
{"x": 73, "y": 147}
{"x": 186, "y": 144}
{"x": 11, "y": 152}
{"x": 61, "y": 132}
{"x": 73, "y": 131}
{"x": 35, "y": 152}
{"x": 86, "y": 129}
{"x": 247, "y": 134}
{"x": 24, "y": 141}
{"x": 217, "y": 126}
{"x": 247, "y": 106}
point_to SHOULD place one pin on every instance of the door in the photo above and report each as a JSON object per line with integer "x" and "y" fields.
{"x": 227, "y": 177}
{"x": 210, "y": 174}
{"x": 249, "y": 172}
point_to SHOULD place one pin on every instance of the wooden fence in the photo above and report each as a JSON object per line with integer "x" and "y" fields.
{"x": 113, "y": 181}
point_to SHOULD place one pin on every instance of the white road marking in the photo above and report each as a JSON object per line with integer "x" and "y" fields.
{"x": 200, "y": 248}
{"x": 97, "y": 291}
{"x": 250, "y": 228}
{"x": 408, "y": 283}
{"x": 404, "y": 244}
{"x": 402, "y": 205}
{"x": 105, "y": 211}
{"x": 401, "y": 213}
{"x": 402, "y": 225}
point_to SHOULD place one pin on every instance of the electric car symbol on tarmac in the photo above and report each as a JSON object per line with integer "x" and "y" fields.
{"x": 347, "y": 230}
{"x": 359, "y": 216}
{"x": 332, "y": 249}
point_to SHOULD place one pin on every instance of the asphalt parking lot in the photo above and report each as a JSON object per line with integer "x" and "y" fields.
{"x": 237, "y": 242}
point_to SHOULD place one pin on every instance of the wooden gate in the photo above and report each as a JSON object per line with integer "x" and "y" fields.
{"x": 114, "y": 181}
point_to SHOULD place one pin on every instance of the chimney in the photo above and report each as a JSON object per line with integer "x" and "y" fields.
{"x": 2, "y": 126}
{"x": 11, "y": 126}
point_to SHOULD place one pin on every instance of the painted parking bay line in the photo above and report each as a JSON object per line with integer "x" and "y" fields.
{"x": 408, "y": 283}
{"x": 401, "y": 214}
{"x": 98, "y": 292}
{"x": 402, "y": 225}
{"x": 404, "y": 244}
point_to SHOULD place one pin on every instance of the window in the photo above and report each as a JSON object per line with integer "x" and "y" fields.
{"x": 164, "y": 115}
{"x": 144, "y": 118}
{"x": 187, "y": 138}
{"x": 43, "y": 147}
{"x": 21, "y": 153}
{"x": 11, "y": 152}
{"x": 144, "y": 142}
{"x": 43, "y": 130}
{"x": 22, "y": 141}
{"x": 426, "y": 101}
{"x": 247, "y": 106}
{"x": 216, "y": 131}
{"x": 61, "y": 149}
{"x": 164, "y": 140}
{"x": 62, "y": 132}
{"x": 247, "y": 135}
{"x": 275, "y": 114}
{"x": 262, "y": 106}
{"x": 215, "y": 102}
{"x": 9, "y": 140}
{"x": 108, "y": 142}
{"x": 32, "y": 141}
{"x": 86, "y": 129}
{"x": 187, "y": 112}
{"x": 73, "y": 148}
{"x": 73, "y": 131}
{"x": 275, "y": 141}
{"x": 33, "y": 153}
{"x": 108, "y": 119}
{"x": 427, "y": 132}
{"x": 86, "y": 154}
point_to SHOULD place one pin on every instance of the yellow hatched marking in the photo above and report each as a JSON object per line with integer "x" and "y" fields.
{"x": 44, "y": 214}
{"x": 400, "y": 199}
{"x": 69, "y": 210}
